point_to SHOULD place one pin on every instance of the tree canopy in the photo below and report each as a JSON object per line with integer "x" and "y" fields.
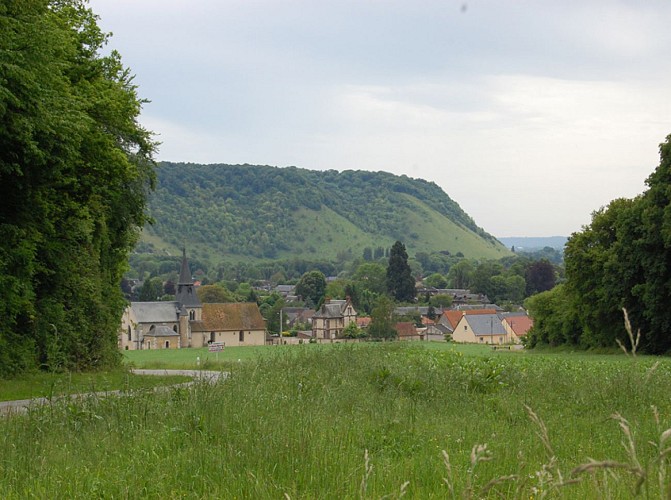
{"x": 75, "y": 169}
{"x": 621, "y": 260}
{"x": 311, "y": 287}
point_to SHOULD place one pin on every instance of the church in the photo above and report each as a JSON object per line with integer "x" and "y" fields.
{"x": 186, "y": 322}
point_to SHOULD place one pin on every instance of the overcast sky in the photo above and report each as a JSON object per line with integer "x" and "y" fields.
{"x": 529, "y": 114}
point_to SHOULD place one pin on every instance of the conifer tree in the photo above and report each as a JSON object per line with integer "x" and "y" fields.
{"x": 400, "y": 283}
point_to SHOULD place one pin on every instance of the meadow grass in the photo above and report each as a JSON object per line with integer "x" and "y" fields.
{"x": 361, "y": 421}
{"x": 41, "y": 384}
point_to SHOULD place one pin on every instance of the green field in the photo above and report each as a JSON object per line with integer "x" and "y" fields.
{"x": 360, "y": 421}
{"x": 37, "y": 385}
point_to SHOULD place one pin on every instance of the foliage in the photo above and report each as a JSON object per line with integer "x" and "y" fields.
{"x": 352, "y": 331}
{"x": 214, "y": 294}
{"x": 75, "y": 167}
{"x": 311, "y": 288}
{"x": 381, "y": 326}
{"x": 540, "y": 277}
{"x": 371, "y": 277}
{"x": 623, "y": 260}
{"x": 400, "y": 283}
{"x": 151, "y": 290}
{"x": 441, "y": 300}
{"x": 252, "y": 213}
{"x": 436, "y": 280}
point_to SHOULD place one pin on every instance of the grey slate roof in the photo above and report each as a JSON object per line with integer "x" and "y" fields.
{"x": 186, "y": 292}
{"x": 155, "y": 312}
{"x": 162, "y": 331}
{"x": 486, "y": 324}
{"x": 329, "y": 311}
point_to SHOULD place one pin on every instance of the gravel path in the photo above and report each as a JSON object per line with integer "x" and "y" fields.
{"x": 20, "y": 406}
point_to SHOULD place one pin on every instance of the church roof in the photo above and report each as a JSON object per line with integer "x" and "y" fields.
{"x": 155, "y": 312}
{"x": 233, "y": 316}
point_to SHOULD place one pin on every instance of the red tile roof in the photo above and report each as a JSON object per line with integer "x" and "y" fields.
{"x": 363, "y": 322}
{"x": 454, "y": 316}
{"x": 406, "y": 329}
{"x": 520, "y": 324}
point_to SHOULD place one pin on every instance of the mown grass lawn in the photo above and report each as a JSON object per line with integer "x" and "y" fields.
{"x": 362, "y": 421}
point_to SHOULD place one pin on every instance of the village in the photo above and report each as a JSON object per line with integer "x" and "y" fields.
{"x": 188, "y": 323}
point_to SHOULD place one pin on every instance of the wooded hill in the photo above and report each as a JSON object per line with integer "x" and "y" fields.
{"x": 248, "y": 212}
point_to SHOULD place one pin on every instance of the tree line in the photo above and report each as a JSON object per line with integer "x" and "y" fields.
{"x": 75, "y": 169}
{"x": 620, "y": 261}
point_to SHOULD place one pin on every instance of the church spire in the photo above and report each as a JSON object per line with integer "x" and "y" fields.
{"x": 186, "y": 292}
{"x": 185, "y": 272}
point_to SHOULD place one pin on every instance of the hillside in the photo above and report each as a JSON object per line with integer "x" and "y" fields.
{"x": 245, "y": 212}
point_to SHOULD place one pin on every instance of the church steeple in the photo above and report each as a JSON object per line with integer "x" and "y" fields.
{"x": 186, "y": 293}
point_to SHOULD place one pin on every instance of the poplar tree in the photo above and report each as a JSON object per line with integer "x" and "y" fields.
{"x": 400, "y": 283}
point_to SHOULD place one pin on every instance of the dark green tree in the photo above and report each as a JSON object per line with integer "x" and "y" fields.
{"x": 75, "y": 168}
{"x": 400, "y": 283}
{"x": 539, "y": 277}
{"x": 151, "y": 290}
{"x": 311, "y": 287}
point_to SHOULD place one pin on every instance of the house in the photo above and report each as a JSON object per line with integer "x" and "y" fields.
{"x": 297, "y": 316}
{"x": 450, "y": 318}
{"x": 186, "y": 322}
{"x": 481, "y": 329}
{"x": 407, "y": 331}
{"x": 329, "y": 321}
{"x": 517, "y": 325}
{"x": 234, "y": 324}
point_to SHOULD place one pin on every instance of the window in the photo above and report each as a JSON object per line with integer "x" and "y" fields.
{"x": 242, "y": 336}
{"x": 465, "y": 327}
{"x": 167, "y": 344}
{"x": 129, "y": 333}
{"x": 211, "y": 337}
{"x": 192, "y": 314}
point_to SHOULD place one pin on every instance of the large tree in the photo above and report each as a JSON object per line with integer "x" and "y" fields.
{"x": 400, "y": 283}
{"x": 622, "y": 260}
{"x": 311, "y": 287}
{"x": 75, "y": 168}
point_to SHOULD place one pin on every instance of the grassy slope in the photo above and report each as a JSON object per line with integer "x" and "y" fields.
{"x": 296, "y": 424}
{"x": 321, "y": 234}
{"x": 324, "y": 234}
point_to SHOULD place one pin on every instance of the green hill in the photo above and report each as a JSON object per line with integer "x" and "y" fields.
{"x": 252, "y": 213}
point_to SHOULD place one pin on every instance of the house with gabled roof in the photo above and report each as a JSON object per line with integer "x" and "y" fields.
{"x": 407, "y": 331}
{"x": 451, "y": 318}
{"x": 481, "y": 329}
{"x": 329, "y": 321}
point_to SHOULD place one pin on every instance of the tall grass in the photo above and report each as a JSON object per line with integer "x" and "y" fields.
{"x": 360, "y": 421}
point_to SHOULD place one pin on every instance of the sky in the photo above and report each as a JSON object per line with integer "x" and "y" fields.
{"x": 530, "y": 114}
